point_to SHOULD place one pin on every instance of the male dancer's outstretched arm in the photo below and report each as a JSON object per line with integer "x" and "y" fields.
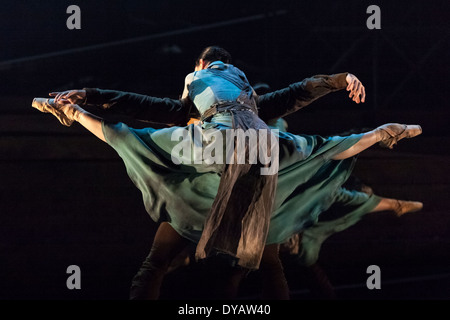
{"x": 298, "y": 95}
{"x": 176, "y": 111}
{"x": 138, "y": 106}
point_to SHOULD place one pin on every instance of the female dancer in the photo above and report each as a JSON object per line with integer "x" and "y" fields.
{"x": 182, "y": 194}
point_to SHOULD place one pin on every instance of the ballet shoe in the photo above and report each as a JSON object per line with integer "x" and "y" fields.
{"x": 403, "y": 207}
{"x": 65, "y": 113}
{"x": 391, "y": 133}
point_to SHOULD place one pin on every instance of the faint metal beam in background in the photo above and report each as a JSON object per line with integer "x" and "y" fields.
{"x": 415, "y": 69}
{"x": 355, "y": 45}
{"x": 10, "y": 63}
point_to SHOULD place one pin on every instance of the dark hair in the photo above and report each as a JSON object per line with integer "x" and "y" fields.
{"x": 214, "y": 53}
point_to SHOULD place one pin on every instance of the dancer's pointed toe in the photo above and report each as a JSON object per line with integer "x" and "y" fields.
{"x": 391, "y": 133}
{"x": 403, "y": 207}
{"x": 65, "y": 113}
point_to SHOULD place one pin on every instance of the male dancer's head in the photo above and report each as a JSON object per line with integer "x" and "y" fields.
{"x": 211, "y": 54}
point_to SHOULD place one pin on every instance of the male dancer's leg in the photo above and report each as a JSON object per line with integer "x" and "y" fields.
{"x": 275, "y": 286}
{"x": 167, "y": 244}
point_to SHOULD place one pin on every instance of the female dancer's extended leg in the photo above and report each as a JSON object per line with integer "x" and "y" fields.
{"x": 69, "y": 113}
{"x": 399, "y": 207}
{"x": 387, "y": 135}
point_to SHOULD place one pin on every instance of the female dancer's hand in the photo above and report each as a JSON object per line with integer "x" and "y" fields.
{"x": 357, "y": 90}
{"x": 69, "y": 96}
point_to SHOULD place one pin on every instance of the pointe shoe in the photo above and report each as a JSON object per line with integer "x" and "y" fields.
{"x": 65, "y": 113}
{"x": 403, "y": 207}
{"x": 391, "y": 133}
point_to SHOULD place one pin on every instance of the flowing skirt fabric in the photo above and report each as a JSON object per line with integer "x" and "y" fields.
{"x": 309, "y": 181}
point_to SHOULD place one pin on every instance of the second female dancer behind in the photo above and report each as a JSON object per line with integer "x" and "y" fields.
{"x": 181, "y": 194}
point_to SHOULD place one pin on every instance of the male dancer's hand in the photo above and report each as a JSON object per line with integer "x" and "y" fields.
{"x": 69, "y": 96}
{"x": 357, "y": 90}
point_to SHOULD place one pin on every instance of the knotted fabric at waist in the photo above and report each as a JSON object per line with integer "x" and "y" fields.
{"x": 228, "y": 106}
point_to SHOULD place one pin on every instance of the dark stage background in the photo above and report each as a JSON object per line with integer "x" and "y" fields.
{"x": 65, "y": 198}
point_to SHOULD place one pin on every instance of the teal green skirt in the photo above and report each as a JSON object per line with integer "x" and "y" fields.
{"x": 182, "y": 194}
{"x": 351, "y": 205}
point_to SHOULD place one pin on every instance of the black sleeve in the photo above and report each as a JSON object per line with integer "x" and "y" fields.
{"x": 298, "y": 95}
{"x": 140, "y": 107}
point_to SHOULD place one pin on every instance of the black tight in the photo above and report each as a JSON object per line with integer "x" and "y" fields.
{"x": 275, "y": 286}
{"x": 167, "y": 244}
